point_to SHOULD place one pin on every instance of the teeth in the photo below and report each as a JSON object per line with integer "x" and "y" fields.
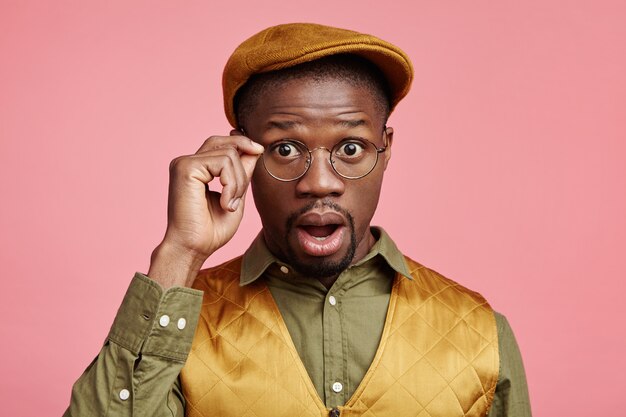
{"x": 320, "y": 238}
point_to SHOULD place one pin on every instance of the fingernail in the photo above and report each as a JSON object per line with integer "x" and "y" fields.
{"x": 234, "y": 203}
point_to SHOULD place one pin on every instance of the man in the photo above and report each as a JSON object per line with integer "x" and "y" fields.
{"x": 322, "y": 315}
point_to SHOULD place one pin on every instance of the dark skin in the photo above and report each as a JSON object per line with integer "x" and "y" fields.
{"x": 318, "y": 113}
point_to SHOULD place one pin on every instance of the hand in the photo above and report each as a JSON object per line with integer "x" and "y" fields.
{"x": 200, "y": 221}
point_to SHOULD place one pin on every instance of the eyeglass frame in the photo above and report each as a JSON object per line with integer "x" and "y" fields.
{"x": 330, "y": 158}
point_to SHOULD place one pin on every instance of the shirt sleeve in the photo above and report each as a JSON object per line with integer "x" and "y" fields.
{"x": 511, "y": 397}
{"x": 136, "y": 372}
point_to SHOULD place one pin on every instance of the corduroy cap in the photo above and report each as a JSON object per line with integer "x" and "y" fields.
{"x": 284, "y": 46}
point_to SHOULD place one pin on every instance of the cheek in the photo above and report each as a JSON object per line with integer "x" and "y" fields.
{"x": 260, "y": 182}
{"x": 364, "y": 200}
{"x": 270, "y": 201}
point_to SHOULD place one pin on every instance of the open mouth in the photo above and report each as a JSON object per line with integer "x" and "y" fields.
{"x": 321, "y": 234}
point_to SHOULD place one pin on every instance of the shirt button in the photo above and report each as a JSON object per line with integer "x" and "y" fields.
{"x": 337, "y": 387}
{"x": 332, "y": 300}
{"x": 164, "y": 320}
{"x": 181, "y": 323}
{"x": 284, "y": 269}
{"x": 124, "y": 394}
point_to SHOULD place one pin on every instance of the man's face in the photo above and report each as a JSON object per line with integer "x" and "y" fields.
{"x": 318, "y": 223}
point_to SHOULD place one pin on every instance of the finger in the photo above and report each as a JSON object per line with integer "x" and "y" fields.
{"x": 248, "y": 163}
{"x": 222, "y": 167}
{"x": 241, "y": 143}
{"x": 226, "y": 164}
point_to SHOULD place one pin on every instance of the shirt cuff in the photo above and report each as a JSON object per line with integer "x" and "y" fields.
{"x": 157, "y": 322}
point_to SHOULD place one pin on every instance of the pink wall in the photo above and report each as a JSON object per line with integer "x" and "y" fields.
{"x": 508, "y": 172}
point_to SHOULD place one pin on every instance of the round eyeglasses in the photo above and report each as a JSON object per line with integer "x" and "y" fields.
{"x": 352, "y": 158}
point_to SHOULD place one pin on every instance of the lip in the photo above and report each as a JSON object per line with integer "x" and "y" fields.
{"x": 316, "y": 218}
{"x": 326, "y": 247}
{"x": 330, "y": 244}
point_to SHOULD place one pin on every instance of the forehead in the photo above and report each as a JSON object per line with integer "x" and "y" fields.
{"x": 312, "y": 99}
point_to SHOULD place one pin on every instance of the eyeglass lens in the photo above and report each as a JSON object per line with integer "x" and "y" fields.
{"x": 289, "y": 160}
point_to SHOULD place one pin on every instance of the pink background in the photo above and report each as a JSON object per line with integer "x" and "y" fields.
{"x": 508, "y": 171}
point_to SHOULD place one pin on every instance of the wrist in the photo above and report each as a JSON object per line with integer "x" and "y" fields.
{"x": 171, "y": 265}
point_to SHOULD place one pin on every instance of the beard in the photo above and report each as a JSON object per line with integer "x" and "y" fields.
{"x": 319, "y": 268}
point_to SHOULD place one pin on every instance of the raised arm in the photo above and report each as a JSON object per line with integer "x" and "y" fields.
{"x": 136, "y": 371}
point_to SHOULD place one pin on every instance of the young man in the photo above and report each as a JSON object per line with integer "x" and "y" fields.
{"x": 322, "y": 315}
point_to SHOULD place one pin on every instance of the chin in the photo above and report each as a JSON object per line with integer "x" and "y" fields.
{"x": 322, "y": 266}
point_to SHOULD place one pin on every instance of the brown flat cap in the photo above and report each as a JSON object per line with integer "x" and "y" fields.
{"x": 284, "y": 46}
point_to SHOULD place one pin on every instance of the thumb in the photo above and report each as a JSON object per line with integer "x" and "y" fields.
{"x": 249, "y": 162}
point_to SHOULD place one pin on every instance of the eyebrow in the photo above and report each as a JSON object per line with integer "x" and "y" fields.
{"x": 351, "y": 123}
{"x": 290, "y": 124}
{"x": 282, "y": 125}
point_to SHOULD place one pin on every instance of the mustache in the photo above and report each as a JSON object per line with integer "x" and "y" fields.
{"x": 319, "y": 204}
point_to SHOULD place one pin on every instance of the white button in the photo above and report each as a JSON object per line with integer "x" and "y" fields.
{"x": 124, "y": 394}
{"x": 332, "y": 300}
{"x": 337, "y": 387}
{"x": 164, "y": 320}
{"x": 181, "y": 323}
{"x": 284, "y": 269}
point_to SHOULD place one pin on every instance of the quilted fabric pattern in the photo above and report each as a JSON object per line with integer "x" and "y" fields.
{"x": 241, "y": 363}
{"x": 438, "y": 354}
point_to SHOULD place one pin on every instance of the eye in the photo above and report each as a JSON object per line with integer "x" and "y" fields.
{"x": 350, "y": 149}
{"x": 285, "y": 149}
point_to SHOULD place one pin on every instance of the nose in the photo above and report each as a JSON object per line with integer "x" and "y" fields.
{"x": 320, "y": 180}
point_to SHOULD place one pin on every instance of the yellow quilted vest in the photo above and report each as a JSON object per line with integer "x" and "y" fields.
{"x": 438, "y": 354}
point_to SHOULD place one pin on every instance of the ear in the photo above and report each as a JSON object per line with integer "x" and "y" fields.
{"x": 389, "y": 141}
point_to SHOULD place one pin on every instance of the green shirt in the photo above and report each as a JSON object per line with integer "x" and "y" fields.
{"x": 336, "y": 332}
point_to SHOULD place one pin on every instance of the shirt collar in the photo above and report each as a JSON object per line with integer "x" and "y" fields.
{"x": 258, "y": 257}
